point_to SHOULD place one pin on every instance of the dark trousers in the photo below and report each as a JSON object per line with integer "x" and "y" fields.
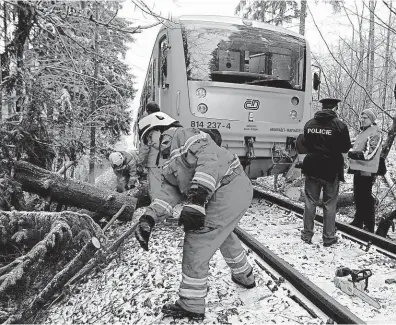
{"x": 313, "y": 187}
{"x": 364, "y": 201}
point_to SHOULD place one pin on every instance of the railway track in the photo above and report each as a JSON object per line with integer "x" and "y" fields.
{"x": 305, "y": 266}
{"x": 304, "y": 292}
{"x": 367, "y": 239}
{"x": 294, "y": 279}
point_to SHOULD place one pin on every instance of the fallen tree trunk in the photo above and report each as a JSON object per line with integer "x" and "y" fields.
{"x": 102, "y": 257}
{"x": 71, "y": 192}
{"x": 343, "y": 200}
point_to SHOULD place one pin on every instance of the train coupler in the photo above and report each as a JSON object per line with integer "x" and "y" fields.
{"x": 249, "y": 141}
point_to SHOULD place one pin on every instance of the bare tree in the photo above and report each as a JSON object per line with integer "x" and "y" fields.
{"x": 303, "y": 13}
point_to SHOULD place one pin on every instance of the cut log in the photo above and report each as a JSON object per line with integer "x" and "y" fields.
{"x": 102, "y": 257}
{"x": 71, "y": 192}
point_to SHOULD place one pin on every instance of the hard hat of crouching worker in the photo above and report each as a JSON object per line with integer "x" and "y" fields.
{"x": 152, "y": 122}
{"x": 116, "y": 159}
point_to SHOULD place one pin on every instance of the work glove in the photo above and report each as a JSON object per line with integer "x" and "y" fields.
{"x": 193, "y": 214}
{"x": 139, "y": 170}
{"x": 192, "y": 217}
{"x": 197, "y": 195}
{"x": 143, "y": 230}
{"x": 356, "y": 155}
{"x": 143, "y": 197}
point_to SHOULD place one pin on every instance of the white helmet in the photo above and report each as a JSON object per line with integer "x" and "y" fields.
{"x": 154, "y": 120}
{"x": 116, "y": 159}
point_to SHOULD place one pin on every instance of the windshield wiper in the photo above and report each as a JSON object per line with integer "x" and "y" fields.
{"x": 273, "y": 82}
{"x": 237, "y": 76}
{"x": 246, "y": 75}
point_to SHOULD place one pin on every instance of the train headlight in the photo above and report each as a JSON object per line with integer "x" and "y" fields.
{"x": 202, "y": 108}
{"x": 201, "y": 92}
{"x": 293, "y": 114}
{"x": 295, "y": 101}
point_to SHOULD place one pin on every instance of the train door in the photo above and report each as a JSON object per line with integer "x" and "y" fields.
{"x": 163, "y": 78}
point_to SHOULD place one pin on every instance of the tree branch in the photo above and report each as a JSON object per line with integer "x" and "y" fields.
{"x": 346, "y": 70}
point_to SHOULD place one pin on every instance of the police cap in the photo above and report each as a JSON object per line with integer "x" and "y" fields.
{"x": 329, "y": 103}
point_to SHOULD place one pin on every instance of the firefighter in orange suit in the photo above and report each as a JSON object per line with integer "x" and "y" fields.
{"x": 218, "y": 194}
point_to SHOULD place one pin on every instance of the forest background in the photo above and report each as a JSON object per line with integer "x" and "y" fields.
{"x": 67, "y": 94}
{"x": 67, "y": 89}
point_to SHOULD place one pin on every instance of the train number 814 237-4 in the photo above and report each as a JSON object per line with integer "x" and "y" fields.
{"x": 210, "y": 125}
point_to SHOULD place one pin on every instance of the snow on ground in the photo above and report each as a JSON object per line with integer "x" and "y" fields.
{"x": 294, "y": 192}
{"x": 134, "y": 286}
{"x": 281, "y": 234}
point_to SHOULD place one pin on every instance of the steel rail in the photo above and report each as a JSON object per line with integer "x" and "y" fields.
{"x": 313, "y": 293}
{"x": 381, "y": 242}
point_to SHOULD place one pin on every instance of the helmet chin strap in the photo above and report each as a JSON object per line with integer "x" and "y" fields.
{"x": 165, "y": 152}
{"x": 159, "y": 150}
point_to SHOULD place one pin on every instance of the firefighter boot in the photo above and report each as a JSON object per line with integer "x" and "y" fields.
{"x": 245, "y": 280}
{"x": 176, "y": 311}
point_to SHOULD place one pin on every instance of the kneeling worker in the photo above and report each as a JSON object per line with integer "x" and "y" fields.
{"x": 218, "y": 194}
{"x": 124, "y": 166}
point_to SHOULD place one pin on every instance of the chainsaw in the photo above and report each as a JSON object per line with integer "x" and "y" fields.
{"x": 356, "y": 285}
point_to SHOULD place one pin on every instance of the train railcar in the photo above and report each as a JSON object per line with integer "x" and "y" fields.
{"x": 250, "y": 80}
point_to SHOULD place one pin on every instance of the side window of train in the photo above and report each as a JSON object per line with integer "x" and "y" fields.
{"x": 163, "y": 62}
{"x": 140, "y": 112}
{"x": 143, "y": 99}
{"x": 149, "y": 84}
{"x": 154, "y": 70}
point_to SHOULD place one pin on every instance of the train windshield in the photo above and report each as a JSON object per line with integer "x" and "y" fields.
{"x": 243, "y": 55}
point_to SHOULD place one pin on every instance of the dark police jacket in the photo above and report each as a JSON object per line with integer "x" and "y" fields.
{"x": 326, "y": 138}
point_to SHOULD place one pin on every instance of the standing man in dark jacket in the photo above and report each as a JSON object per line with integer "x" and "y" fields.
{"x": 325, "y": 138}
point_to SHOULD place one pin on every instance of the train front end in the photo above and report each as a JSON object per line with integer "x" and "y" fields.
{"x": 250, "y": 81}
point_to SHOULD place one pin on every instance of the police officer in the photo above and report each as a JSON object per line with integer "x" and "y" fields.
{"x": 149, "y": 158}
{"x": 218, "y": 193}
{"x": 124, "y": 166}
{"x": 325, "y": 138}
{"x": 364, "y": 160}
